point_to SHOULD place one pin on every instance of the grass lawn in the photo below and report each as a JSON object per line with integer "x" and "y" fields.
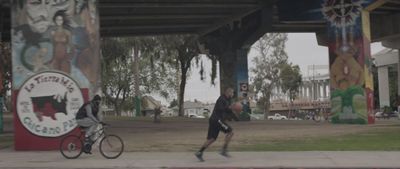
{"x": 387, "y": 140}
{"x": 185, "y": 134}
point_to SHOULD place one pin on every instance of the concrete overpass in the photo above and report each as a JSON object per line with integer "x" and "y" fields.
{"x": 202, "y": 17}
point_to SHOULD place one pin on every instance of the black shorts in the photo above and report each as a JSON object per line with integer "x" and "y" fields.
{"x": 215, "y": 126}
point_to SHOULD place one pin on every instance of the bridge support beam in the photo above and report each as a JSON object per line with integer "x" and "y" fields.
{"x": 383, "y": 80}
{"x": 394, "y": 43}
{"x": 350, "y": 69}
{"x": 230, "y": 45}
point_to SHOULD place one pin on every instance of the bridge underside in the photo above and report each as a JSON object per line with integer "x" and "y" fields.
{"x": 200, "y": 17}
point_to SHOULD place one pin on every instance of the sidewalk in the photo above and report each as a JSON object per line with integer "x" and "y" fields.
{"x": 308, "y": 159}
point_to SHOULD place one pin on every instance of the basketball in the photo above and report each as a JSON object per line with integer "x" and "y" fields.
{"x": 237, "y": 107}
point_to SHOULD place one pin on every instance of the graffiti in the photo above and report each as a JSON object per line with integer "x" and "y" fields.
{"x": 56, "y": 35}
{"x": 349, "y": 57}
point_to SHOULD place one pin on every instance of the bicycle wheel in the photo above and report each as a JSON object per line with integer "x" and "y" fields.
{"x": 71, "y": 147}
{"x": 317, "y": 118}
{"x": 111, "y": 146}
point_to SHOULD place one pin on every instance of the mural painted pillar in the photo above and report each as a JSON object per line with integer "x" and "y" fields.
{"x": 234, "y": 73}
{"x": 350, "y": 61}
{"x": 227, "y": 70}
{"x": 242, "y": 79}
{"x": 55, "y": 68}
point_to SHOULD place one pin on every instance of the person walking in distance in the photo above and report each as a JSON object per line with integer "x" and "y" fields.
{"x": 222, "y": 111}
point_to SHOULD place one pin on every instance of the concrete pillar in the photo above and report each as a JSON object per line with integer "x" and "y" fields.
{"x": 314, "y": 90}
{"x": 310, "y": 91}
{"x": 350, "y": 63}
{"x": 398, "y": 80}
{"x": 318, "y": 89}
{"x": 328, "y": 89}
{"x": 324, "y": 89}
{"x": 234, "y": 73}
{"x": 383, "y": 80}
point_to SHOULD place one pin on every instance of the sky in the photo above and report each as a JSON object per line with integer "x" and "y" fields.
{"x": 302, "y": 49}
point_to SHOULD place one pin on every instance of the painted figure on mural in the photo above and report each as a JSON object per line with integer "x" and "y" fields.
{"x": 61, "y": 35}
{"x": 61, "y": 43}
{"x": 86, "y": 57}
{"x": 345, "y": 70}
{"x": 32, "y": 23}
{"x": 30, "y": 31}
{"x": 39, "y": 60}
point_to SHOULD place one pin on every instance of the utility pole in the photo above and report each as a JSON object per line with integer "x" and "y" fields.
{"x": 135, "y": 52}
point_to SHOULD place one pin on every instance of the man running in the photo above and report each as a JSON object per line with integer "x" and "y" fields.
{"x": 221, "y": 112}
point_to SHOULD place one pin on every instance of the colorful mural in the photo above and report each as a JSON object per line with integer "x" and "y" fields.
{"x": 56, "y": 68}
{"x": 57, "y": 36}
{"x": 350, "y": 60}
{"x": 242, "y": 83}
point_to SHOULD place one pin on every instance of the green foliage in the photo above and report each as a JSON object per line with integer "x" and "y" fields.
{"x": 183, "y": 49}
{"x": 5, "y": 69}
{"x": 335, "y": 120}
{"x": 290, "y": 77}
{"x": 271, "y": 56}
{"x": 157, "y": 74}
{"x": 244, "y": 116}
{"x": 173, "y": 103}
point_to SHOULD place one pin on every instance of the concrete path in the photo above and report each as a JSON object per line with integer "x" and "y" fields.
{"x": 306, "y": 159}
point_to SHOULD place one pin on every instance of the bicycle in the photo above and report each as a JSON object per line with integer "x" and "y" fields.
{"x": 110, "y": 146}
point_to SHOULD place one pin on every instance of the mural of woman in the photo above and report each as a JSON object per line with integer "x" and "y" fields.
{"x": 61, "y": 43}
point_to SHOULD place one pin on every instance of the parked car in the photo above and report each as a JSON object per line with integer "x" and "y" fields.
{"x": 378, "y": 114}
{"x": 277, "y": 116}
{"x": 196, "y": 116}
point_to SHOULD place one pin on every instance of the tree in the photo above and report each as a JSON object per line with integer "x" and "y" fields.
{"x": 173, "y": 103}
{"x": 185, "y": 49}
{"x": 290, "y": 79}
{"x": 116, "y": 73}
{"x": 271, "y": 56}
{"x": 5, "y": 68}
{"x": 154, "y": 77}
{"x": 5, "y": 76}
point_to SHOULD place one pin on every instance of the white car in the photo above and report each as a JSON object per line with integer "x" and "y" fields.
{"x": 277, "y": 116}
{"x": 378, "y": 114}
{"x": 196, "y": 116}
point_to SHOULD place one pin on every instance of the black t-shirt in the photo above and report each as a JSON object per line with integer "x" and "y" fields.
{"x": 221, "y": 110}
